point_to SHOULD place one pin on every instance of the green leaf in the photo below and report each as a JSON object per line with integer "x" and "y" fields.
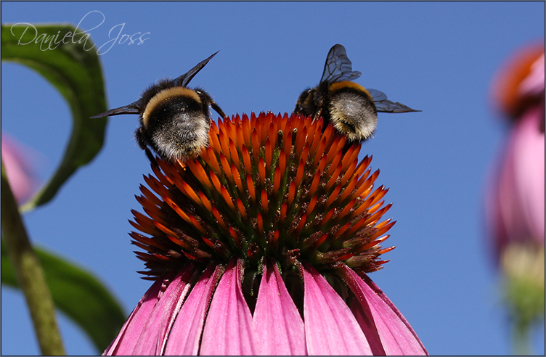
{"x": 71, "y": 64}
{"x": 78, "y": 294}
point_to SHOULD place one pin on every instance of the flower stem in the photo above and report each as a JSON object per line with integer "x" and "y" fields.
{"x": 30, "y": 275}
{"x": 520, "y": 337}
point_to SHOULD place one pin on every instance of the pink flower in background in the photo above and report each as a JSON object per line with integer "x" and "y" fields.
{"x": 515, "y": 204}
{"x": 262, "y": 245}
{"x": 21, "y": 175}
{"x": 515, "y": 201}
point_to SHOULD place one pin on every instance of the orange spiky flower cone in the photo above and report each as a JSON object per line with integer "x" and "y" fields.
{"x": 264, "y": 242}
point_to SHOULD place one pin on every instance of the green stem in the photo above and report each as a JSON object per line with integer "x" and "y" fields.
{"x": 521, "y": 338}
{"x": 30, "y": 275}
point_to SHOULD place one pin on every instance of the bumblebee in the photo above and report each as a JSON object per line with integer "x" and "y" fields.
{"x": 174, "y": 119}
{"x": 350, "y": 108}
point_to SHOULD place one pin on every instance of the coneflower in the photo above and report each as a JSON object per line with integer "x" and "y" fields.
{"x": 514, "y": 204}
{"x": 261, "y": 245}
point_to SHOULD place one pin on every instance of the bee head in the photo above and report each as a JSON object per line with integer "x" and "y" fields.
{"x": 174, "y": 119}
{"x": 306, "y": 103}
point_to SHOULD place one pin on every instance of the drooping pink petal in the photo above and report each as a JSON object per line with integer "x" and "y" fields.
{"x": 229, "y": 329}
{"x": 515, "y": 202}
{"x": 279, "y": 326}
{"x": 363, "y": 315}
{"x": 127, "y": 338}
{"x": 186, "y": 332}
{"x": 397, "y": 336}
{"x": 527, "y": 151}
{"x": 330, "y": 326}
{"x": 153, "y": 338}
{"x": 21, "y": 175}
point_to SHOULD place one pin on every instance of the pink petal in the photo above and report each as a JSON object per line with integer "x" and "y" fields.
{"x": 330, "y": 326}
{"x": 397, "y": 336}
{"x": 186, "y": 332}
{"x": 364, "y": 317}
{"x": 153, "y": 338}
{"x": 229, "y": 329}
{"x": 21, "y": 174}
{"x": 515, "y": 202}
{"x": 128, "y": 336}
{"x": 528, "y": 161}
{"x": 279, "y": 326}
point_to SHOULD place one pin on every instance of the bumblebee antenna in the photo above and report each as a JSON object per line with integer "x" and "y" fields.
{"x": 133, "y": 108}
{"x": 185, "y": 79}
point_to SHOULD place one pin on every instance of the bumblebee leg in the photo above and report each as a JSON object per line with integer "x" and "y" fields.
{"x": 141, "y": 140}
{"x": 206, "y": 98}
{"x": 318, "y": 114}
{"x": 218, "y": 109}
{"x": 151, "y": 157}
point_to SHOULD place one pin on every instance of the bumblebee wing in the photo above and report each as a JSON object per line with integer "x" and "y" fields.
{"x": 133, "y": 108}
{"x": 386, "y": 106}
{"x": 338, "y": 66}
{"x": 185, "y": 79}
{"x": 377, "y": 95}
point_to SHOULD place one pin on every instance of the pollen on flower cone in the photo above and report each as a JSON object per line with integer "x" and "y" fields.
{"x": 276, "y": 221}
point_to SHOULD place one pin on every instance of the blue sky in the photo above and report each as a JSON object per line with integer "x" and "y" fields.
{"x": 437, "y": 57}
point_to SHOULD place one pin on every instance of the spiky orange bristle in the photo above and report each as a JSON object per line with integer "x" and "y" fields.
{"x": 268, "y": 185}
